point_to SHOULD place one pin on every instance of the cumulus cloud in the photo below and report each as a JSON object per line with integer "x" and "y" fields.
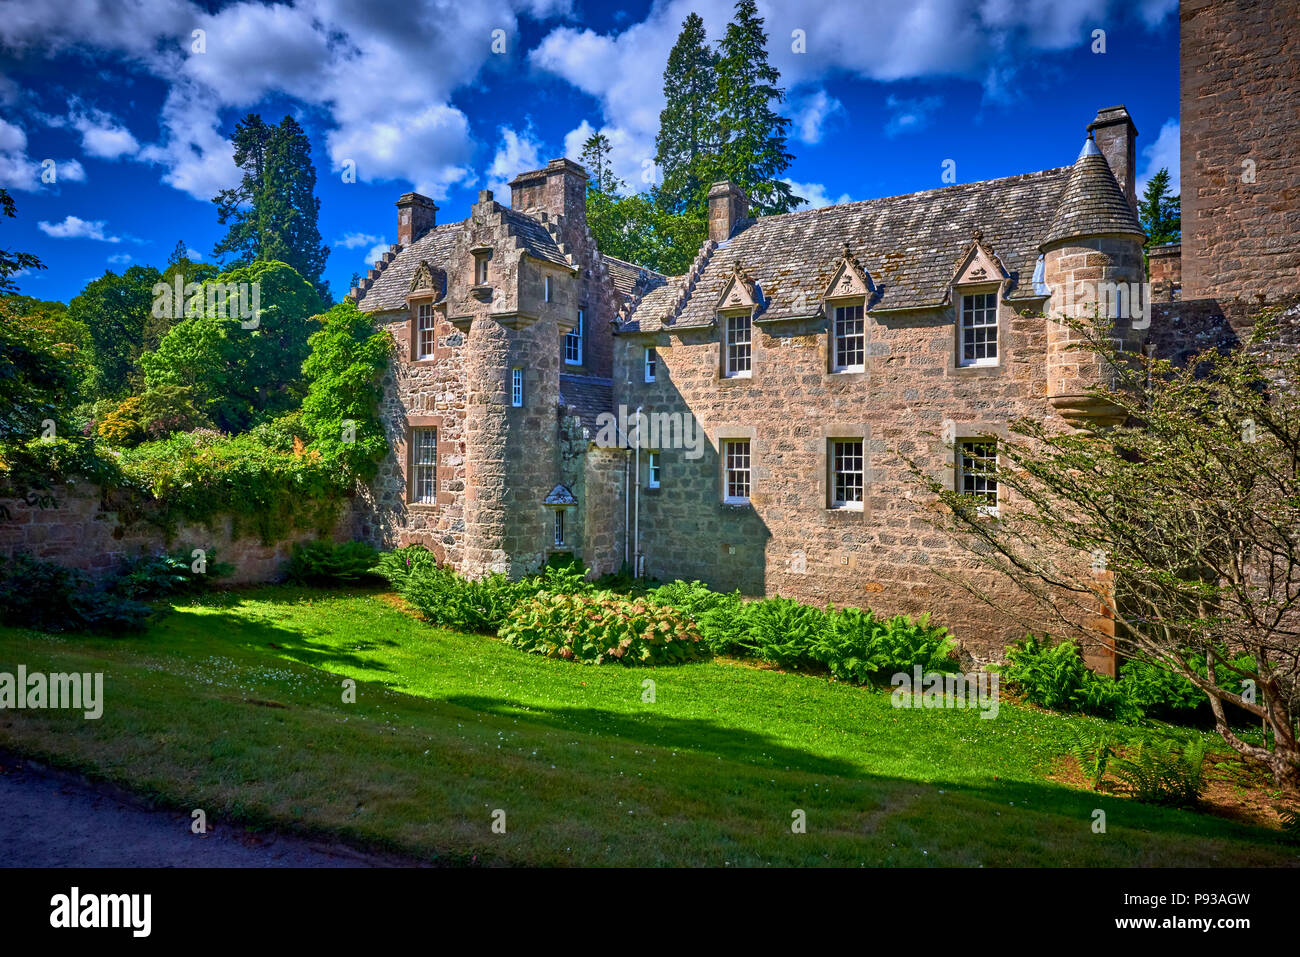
{"x": 73, "y": 227}
{"x": 1163, "y": 153}
{"x": 102, "y": 136}
{"x": 383, "y": 74}
{"x": 355, "y": 240}
{"x": 21, "y": 172}
{"x": 815, "y": 195}
{"x": 812, "y": 113}
{"x": 909, "y": 115}
{"x": 119, "y": 259}
{"x": 518, "y": 153}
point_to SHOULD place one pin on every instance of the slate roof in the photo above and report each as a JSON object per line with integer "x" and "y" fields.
{"x": 590, "y": 395}
{"x": 1093, "y": 203}
{"x": 909, "y": 244}
{"x": 394, "y": 282}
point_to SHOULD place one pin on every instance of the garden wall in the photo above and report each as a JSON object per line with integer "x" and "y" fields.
{"x": 84, "y": 532}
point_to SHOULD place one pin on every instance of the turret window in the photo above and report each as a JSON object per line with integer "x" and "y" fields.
{"x": 979, "y": 329}
{"x": 481, "y": 261}
{"x": 651, "y": 363}
{"x": 517, "y": 387}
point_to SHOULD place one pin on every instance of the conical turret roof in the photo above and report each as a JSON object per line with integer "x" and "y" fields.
{"x": 1093, "y": 203}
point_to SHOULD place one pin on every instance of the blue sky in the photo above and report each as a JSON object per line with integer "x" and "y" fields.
{"x": 113, "y": 96}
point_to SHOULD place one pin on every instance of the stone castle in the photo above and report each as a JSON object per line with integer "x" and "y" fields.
{"x": 746, "y": 423}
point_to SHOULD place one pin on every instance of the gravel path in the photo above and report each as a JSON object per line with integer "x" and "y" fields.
{"x": 53, "y": 819}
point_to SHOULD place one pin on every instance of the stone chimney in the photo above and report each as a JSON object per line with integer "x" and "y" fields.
{"x": 416, "y": 215}
{"x": 558, "y": 189}
{"x": 1115, "y": 134}
{"x": 728, "y": 205}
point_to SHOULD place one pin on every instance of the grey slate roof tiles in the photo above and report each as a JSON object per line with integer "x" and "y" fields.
{"x": 390, "y": 288}
{"x": 589, "y": 395}
{"x": 909, "y": 244}
{"x": 1093, "y": 203}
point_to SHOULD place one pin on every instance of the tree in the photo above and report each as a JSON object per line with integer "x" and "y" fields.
{"x": 241, "y": 367}
{"x": 595, "y": 157}
{"x": 272, "y": 215}
{"x": 752, "y": 135}
{"x": 185, "y": 270}
{"x": 1182, "y": 524}
{"x": 39, "y": 376}
{"x": 115, "y": 310}
{"x": 13, "y": 262}
{"x": 687, "y": 144}
{"x": 345, "y": 368}
{"x": 1160, "y": 211}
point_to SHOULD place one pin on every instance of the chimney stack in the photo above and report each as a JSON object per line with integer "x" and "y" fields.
{"x": 1115, "y": 134}
{"x": 416, "y": 215}
{"x": 728, "y": 205}
{"x": 557, "y": 189}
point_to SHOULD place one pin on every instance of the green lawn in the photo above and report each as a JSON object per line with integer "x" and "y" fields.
{"x": 234, "y": 704}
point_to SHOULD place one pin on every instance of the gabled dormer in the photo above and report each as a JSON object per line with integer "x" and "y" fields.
{"x": 979, "y": 282}
{"x": 426, "y": 301}
{"x": 741, "y": 298}
{"x": 845, "y": 302}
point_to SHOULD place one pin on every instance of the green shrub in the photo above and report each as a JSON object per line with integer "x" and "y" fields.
{"x": 783, "y": 631}
{"x": 1160, "y": 774}
{"x": 1055, "y": 677}
{"x": 49, "y": 597}
{"x": 327, "y": 563}
{"x": 603, "y": 627}
{"x": 156, "y": 576}
{"x": 1093, "y": 755}
{"x": 1158, "y": 691}
{"x": 400, "y": 563}
{"x": 717, "y": 615}
{"x": 859, "y": 647}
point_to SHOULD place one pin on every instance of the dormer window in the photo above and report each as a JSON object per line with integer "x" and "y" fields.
{"x": 737, "y": 331}
{"x": 425, "y": 337}
{"x": 481, "y": 260}
{"x": 573, "y": 341}
{"x": 978, "y": 337}
{"x": 849, "y": 334}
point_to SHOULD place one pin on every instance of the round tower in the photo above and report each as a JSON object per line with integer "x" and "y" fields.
{"x": 1092, "y": 259}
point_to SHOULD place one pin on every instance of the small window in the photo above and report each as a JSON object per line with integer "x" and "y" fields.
{"x": 573, "y": 343}
{"x": 735, "y": 456}
{"x": 424, "y": 331}
{"x": 546, "y": 283}
{"x": 651, "y": 363}
{"x": 481, "y": 261}
{"x": 979, "y": 329}
{"x": 652, "y": 470}
{"x": 559, "y": 527}
{"x": 517, "y": 387}
{"x": 737, "y": 346}
{"x": 977, "y": 473}
{"x": 847, "y": 473}
{"x": 424, "y": 466}
{"x": 850, "y": 340}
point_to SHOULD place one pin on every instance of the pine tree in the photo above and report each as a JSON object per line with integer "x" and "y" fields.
{"x": 273, "y": 213}
{"x": 595, "y": 157}
{"x": 752, "y": 134}
{"x": 1160, "y": 211}
{"x": 688, "y": 139}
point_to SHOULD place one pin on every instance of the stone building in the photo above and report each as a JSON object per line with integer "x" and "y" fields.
{"x": 749, "y": 423}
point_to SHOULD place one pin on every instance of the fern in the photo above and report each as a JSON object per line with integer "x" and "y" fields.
{"x": 1093, "y": 755}
{"x": 1157, "y": 774}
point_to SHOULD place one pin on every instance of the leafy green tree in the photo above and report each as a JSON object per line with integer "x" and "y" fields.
{"x": 596, "y": 159}
{"x": 687, "y": 144}
{"x": 11, "y": 262}
{"x": 241, "y": 367}
{"x": 1180, "y": 525}
{"x": 39, "y": 375}
{"x": 346, "y": 368}
{"x": 272, "y": 214}
{"x": 752, "y": 135}
{"x": 115, "y": 310}
{"x": 1160, "y": 211}
{"x": 179, "y": 267}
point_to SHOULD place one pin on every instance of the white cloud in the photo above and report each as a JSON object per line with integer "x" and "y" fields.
{"x": 102, "y": 136}
{"x": 1163, "y": 153}
{"x": 73, "y": 227}
{"x": 21, "y": 172}
{"x": 518, "y": 153}
{"x": 814, "y": 195}
{"x": 909, "y": 115}
{"x": 354, "y": 240}
{"x": 812, "y": 113}
{"x": 376, "y": 253}
{"x": 193, "y": 255}
{"x": 120, "y": 259}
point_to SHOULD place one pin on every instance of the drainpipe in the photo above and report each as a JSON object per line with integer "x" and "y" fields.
{"x": 627, "y": 510}
{"x": 636, "y": 512}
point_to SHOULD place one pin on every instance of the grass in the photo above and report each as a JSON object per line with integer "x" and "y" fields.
{"x": 234, "y": 704}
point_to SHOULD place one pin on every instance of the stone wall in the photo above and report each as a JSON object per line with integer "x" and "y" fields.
{"x": 1240, "y": 78}
{"x": 789, "y": 541}
{"x": 85, "y": 532}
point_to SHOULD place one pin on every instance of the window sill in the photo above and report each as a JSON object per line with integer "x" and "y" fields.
{"x": 850, "y": 370}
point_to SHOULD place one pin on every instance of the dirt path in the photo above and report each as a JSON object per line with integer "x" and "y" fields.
{"x": 52, "y": 819}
